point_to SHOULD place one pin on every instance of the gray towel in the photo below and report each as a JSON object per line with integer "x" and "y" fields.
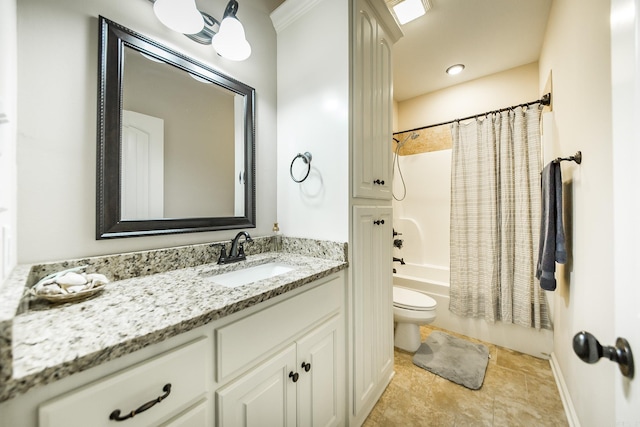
{"x": 552, "y": 244}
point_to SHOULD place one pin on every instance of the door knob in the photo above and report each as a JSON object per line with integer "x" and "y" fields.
{"x": 589, "y": 350}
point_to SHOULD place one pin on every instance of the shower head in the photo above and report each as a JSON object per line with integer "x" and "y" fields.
{"x": 413, "y": 135}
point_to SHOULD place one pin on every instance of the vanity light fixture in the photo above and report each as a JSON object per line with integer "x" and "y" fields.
{"x": 179, "y": 15}
{"x": 230, "y": 42}
{"x": 455, "y": 69}
{"x": 227, "y": 37}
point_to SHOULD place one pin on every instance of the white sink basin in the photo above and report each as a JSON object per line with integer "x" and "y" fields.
{"x": 245, "y": 276}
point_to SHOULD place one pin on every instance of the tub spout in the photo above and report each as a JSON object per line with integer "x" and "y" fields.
{"x": 400, "y": 260}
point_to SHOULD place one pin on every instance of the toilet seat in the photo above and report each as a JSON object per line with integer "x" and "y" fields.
{"x": 412, "y": 300}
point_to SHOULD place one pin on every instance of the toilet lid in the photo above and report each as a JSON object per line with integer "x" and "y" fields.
{"x": 412, "y": 300}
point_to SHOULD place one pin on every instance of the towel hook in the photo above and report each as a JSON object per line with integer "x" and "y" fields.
{"x": 306, "y": 158}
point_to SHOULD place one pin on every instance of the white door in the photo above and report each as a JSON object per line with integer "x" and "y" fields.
{"x": 142, "y": 166}
{"x": 625, "y": 56}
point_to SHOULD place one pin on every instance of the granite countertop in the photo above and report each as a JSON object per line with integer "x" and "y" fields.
{"x": 52, "y": 343}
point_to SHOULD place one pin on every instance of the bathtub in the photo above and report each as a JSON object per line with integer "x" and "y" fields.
{"x": 434, "y": 281}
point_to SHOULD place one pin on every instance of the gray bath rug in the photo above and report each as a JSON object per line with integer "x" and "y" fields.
{"x": 454, "y": 359}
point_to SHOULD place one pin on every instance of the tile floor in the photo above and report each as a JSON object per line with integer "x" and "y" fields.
{"x": 518, "y": 390}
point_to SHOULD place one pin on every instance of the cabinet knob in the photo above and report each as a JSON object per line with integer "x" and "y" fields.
{"x": 378, "y": 221}
{"x": 306, "y": 366}
{"x": 294, "y": 376}
{"x": 379, "y": 182}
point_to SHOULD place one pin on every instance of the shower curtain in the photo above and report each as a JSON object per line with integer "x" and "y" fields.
{"x": 495, "y": 215}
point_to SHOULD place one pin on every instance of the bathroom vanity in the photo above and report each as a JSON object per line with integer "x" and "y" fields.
{"x": 179, "y": 349}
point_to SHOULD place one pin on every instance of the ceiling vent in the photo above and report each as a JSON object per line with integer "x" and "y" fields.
{"x": 407, "y": 10}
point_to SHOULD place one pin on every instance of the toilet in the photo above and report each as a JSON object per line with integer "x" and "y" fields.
{"x": 410, "y": 310}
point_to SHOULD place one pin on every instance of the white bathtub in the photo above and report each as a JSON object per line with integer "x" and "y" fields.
{"x": 434, "y": 281}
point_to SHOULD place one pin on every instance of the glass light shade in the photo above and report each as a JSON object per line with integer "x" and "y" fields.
{"x": 230, "y": 41}
{"x": 179, "y": 15}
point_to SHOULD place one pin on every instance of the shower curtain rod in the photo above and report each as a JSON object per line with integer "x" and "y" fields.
{"x": 545, "y": 100}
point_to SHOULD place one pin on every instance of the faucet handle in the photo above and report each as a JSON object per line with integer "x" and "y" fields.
{"x": 223, "y": 252}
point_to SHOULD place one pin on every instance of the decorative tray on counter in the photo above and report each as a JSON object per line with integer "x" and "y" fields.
{"x": 68, "y": 285}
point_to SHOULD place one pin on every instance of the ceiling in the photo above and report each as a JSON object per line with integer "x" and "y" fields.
{"x": 487, "y": 36}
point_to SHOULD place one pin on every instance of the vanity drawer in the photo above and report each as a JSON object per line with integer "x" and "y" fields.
{"x": 184, "y": 367}
{"x": 243, "y": 343}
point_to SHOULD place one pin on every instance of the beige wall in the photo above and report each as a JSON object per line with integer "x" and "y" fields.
{"x": 57, "y": 65}
{"x": 577, "y": 54}
{"x": 499, "y": 90}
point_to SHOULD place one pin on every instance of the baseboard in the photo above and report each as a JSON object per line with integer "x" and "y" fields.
{"x": 569, "y": 410}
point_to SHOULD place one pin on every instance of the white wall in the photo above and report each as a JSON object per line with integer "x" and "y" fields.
{"x": 8, "y": 120}
{"x": 577, "y": 54}
{"x": 316, "y": 99}
{"x": 57, "y": 65}
{"x": 427, "y": 176}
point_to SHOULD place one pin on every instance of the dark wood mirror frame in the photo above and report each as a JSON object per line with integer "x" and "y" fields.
{"x": 113, "y": 39}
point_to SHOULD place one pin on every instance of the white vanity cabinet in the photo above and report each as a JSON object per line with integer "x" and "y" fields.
{"x": 372, "y": 105}
{"x": 300, "y": 382}
{"x": 372, "y": 315}
{"x": 299, "y": 386}
{"x": 168, "y": 388}
{"x": 235, "y": 366}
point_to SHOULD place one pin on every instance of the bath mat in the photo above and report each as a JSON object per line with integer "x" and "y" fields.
{"x": 454, "y": 359}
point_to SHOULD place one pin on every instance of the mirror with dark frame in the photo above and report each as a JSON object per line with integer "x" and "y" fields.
{"x": 176, "y": 141}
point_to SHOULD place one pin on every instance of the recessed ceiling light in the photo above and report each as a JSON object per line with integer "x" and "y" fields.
{"x": 408, "y": 10}
{"x": 455, "y": 69}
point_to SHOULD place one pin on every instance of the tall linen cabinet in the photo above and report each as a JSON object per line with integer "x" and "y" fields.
{"x": 335, "y": 101}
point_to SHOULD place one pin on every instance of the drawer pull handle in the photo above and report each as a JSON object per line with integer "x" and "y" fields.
{"x": 115, "y": 415}
{"x": 294, "y": 376}
{"x": 306, "y": 366}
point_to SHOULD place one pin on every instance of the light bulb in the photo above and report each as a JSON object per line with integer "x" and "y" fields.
{"x": 455, "y": 69}
{"x": 230, "y": 41}
{"x": 179, "y": 15}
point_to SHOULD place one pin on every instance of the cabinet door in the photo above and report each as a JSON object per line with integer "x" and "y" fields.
{"x": 318, "y": 387}
{"x": 372, "y": 302}
{"x": 196, "y": 416}
{"x": 364, "y": 330}
{"x": 264, "y": 397}
{"x": 383, "y": 288}
{"x": 372, "y": 92}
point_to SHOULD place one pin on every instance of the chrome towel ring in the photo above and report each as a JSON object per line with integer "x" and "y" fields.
{"x": 306, "y": 158}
